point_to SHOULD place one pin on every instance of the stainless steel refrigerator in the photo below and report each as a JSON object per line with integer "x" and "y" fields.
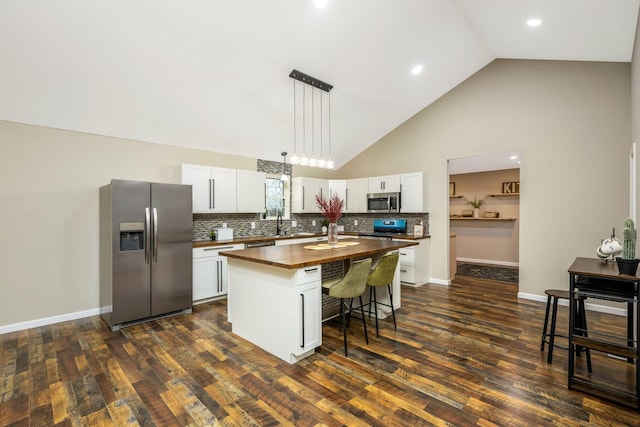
{"x": 145, "y": 251}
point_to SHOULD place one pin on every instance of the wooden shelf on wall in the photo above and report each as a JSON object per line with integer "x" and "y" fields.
{"x": 462, "y": 218}
{"x": 504, "y": 195}
{"x": 456, "y": 196}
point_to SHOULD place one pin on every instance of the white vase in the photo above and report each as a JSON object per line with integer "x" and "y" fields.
{"x": 476, "y": 212}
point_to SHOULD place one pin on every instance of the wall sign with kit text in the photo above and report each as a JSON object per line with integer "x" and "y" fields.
{"x": 511, "y": 187}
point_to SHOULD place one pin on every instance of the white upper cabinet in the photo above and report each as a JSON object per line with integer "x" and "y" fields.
{"x": 356, "y": 195}
{"x": 338, "y": 186}
{"x": 384, "y": 184}
{"x": 250, "y": 191}
{"x": 214, "y": 189}
{"x": 303, "y": 193}
{"x": 415, "y": 193}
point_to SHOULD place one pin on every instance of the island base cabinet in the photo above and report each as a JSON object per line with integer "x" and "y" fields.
{"x": 274, "y": 307}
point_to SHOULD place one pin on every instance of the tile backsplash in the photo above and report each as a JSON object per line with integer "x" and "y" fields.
{"x": 241, "y": 223}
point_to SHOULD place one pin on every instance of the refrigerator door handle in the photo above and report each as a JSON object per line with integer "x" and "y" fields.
{"x": 155, "y": 235}
{"x": 147, "y": 229}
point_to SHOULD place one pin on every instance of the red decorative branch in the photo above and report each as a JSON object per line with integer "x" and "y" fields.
{"x": 332, "y": 208}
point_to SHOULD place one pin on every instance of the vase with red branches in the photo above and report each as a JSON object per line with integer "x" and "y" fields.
{"x": 332, "y": 210}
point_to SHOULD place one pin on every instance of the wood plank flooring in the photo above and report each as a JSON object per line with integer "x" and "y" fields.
{"x": 464, "y": 355}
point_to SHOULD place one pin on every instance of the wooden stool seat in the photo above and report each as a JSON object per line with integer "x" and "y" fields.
{"x": 553, "y": 295}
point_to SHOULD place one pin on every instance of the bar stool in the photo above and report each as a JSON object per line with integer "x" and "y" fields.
{"x": 382, "y": 275}
{"x": 553, "y": 295}
{"x": 352, "y": 285}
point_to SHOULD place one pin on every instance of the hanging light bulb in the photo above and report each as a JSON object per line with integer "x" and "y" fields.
{"x": 285, "y": 175}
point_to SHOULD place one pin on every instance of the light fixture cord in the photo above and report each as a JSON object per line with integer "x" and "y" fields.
{"x": 313, "y": 122}
{"x": 294, "y": 118}
{"x": 304, "y": 120}
{"x": 321, "y": 125}
{"x": 329, "y": 136}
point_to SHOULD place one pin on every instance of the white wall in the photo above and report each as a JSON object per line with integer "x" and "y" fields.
{"x": 570, "y": 122}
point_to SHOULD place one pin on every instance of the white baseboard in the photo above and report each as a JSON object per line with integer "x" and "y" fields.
{"x": 488, "y": 261}
{"x": 588, "y": 306}
{"x": 48, "y": 320}
{"x": 445, "y": 282}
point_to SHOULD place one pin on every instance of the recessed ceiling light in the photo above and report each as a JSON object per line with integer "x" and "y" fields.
{"x": 534, "y": 22}
{"x": 320, "y": 3}
{"x": 514, "y": 157}
{"x": 416, "y": 70}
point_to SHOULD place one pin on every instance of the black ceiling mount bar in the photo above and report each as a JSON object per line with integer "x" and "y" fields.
{"x": 305, "y": 78}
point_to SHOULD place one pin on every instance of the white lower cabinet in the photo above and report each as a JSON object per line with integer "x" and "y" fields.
{"x": 414, "y": 264}
{"x": 308, "y": 322}
{"x": 210, "y": 276}
{"x": 277, "y": 309}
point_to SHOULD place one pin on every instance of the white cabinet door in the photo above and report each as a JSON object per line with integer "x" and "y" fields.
{"x": 205, "y": 277}
{"x": 323, "y": 189}
{"x": 384, "y": 184}
{"x": 210, "y": 273}
{"x": 303, "y": 193}
{"x": 250, "y": 191}
{"x": 356, "y": 195}
{"x": 224, "y": 190}
{"x": 213, "y": 189}
{"x": 407, "y": 265}
{"x": 309, "y": 316}
{"x": 414, "y": 196}
{"x": 338, "y": 187}
{"x": 199, "y": 178}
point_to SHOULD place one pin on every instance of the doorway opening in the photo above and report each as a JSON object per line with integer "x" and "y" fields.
{"x": 484, "y": 216}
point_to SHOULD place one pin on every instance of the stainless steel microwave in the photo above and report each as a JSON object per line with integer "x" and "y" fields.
{"x": 383, "y": 202}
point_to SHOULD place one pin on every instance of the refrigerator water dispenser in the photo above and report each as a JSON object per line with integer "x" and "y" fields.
{"x": 131, "y": 236}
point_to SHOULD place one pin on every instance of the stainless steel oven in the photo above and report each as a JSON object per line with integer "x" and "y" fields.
{"x": 383, "y": 202}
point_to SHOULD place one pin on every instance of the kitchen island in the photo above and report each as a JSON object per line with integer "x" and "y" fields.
{"x": 275, "y": 293}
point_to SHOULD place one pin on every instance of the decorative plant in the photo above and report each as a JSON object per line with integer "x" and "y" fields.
{"x": 475, "y": 202}
{"x": 629, "y": 241}
{"x": 331, "y": 208}
{"x": 212, "y": 234}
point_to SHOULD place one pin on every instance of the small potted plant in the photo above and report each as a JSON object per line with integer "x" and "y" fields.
{"x": 212, "y": 234}
{"x": 476, "y": 203}
{"x": 628, "y": 263}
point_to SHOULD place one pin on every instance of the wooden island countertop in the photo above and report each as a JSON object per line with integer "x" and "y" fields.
{"x": 296, "y": 256}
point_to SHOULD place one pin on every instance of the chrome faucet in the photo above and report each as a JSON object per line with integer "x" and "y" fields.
{"x": 278, "y": 224}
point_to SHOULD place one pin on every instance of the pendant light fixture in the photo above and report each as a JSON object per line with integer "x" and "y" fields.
{"x": 311, "y": 83}
{"x": 285, "y": 175}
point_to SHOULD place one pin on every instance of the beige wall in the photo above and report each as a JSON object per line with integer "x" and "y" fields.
{"x": 49, "y": 216}
{"x": 494, "y": 242}
{"x": 570, "y": 122}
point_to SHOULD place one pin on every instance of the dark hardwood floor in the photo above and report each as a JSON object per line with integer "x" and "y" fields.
{"x": 463, "y": 355}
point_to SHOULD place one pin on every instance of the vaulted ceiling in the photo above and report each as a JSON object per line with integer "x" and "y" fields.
{"x": 214, "y": 74}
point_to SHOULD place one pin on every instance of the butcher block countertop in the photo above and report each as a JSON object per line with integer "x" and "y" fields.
{"x": 252, "y": 239}
{"x": 296, "y": 256}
